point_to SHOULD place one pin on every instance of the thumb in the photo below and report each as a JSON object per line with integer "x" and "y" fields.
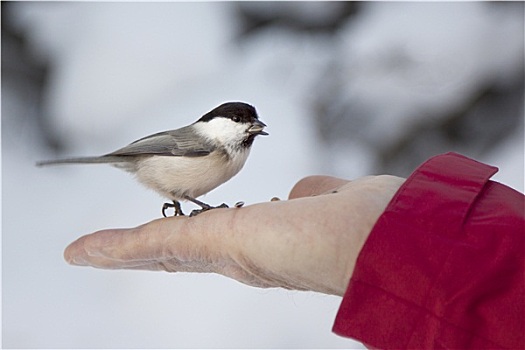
{"x": 316, "y": 185}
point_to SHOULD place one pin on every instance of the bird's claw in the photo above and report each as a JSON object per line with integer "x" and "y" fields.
{"x": 175, "y": 205}
{"x": 196, "y": 212}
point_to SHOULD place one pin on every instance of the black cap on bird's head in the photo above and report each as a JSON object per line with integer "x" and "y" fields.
{"x": 239, "y": 112}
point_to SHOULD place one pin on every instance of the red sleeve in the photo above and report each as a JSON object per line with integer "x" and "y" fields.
{"x": 443, "y": 266}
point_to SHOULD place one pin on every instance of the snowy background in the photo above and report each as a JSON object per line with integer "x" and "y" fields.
{"x": 346, "y": 89}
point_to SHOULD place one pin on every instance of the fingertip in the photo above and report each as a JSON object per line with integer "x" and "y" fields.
{"x": 73, "y": 252}
{"x": 81, "y": 251}
{"x": 315, "y": 185}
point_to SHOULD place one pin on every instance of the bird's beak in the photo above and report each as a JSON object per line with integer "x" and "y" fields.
{"x": 257, "y": 128}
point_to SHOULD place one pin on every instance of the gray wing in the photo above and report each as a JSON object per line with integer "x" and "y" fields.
{"x": 181, "y": 142}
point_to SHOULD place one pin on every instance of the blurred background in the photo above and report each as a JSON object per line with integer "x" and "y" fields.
{"x": 346, "y": 89}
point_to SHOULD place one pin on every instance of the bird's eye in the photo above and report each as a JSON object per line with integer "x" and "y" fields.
{"x": 236, "y": 119}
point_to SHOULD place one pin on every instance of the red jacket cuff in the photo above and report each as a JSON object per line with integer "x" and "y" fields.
{"x": 443, "y": 265}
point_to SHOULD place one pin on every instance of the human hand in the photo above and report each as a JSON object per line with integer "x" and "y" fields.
{"x": 309, "y": 242}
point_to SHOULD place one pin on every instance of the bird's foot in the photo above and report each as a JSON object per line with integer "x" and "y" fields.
{"x": 206, "y": 207}
{"x": 175, "y": 205}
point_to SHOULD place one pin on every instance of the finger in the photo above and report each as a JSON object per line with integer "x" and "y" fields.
{"x": 159, "y": 240}
{"x": 108, "y": 249}
{"x": 315, "y": 185}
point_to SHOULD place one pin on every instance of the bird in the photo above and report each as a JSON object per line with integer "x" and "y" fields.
{"x": 186, "y": 163}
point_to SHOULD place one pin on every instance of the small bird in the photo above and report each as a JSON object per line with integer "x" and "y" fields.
{"x": 186, "y": 163}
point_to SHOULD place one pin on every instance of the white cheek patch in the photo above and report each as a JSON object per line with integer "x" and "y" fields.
{"x": 223, "y": 130}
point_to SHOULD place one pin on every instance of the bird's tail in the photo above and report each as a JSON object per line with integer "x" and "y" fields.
{"x": 82, "y": 160}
